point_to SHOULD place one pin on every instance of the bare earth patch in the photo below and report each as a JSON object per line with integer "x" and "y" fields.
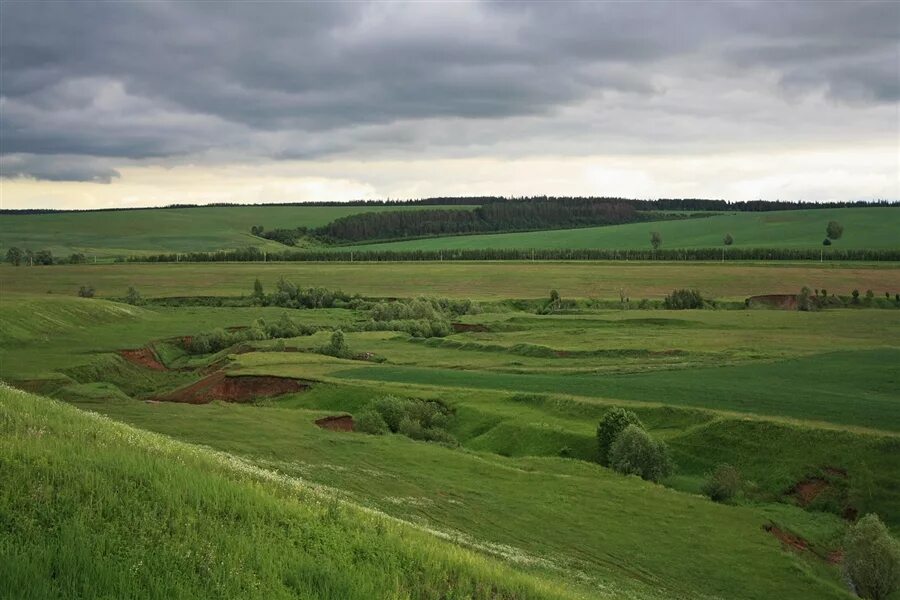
{"x": 336, "y": 423}
{"x": 143, "y": 357}
{"x": 236, "y": 388}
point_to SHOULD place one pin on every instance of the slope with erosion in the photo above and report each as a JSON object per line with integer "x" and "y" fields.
{"x": 94, "y": 508}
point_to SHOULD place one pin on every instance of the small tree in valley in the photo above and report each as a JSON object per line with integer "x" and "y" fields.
{"x": 872, "y": 559}
{"x": 613, "y": 422}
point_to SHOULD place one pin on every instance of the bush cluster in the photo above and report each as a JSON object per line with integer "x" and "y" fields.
{"x": 684, "y": 299}
{"x": 723, "y": 483}
{"x": 337, "y": 346}
{"x": 626, "y": 447}
{"x": 220, "y": 339}
{"x": 417, "y": 419}
{"x": 872, "y": 559}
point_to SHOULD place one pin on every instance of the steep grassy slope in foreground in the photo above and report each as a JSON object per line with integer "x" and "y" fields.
{"x": 90, "y": 508}
{"x": 863, "y": 228}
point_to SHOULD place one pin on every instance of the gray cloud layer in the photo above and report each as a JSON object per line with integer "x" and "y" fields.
{"x": 86, "y": 87}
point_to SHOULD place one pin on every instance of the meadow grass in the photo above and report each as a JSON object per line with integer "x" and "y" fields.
{"x": 847, "y": 388}
{"x": 475, "y": 280}
{"x": 578, "y": 519}
{"x": 863, "y": 228}
{"x": 154, "y": 231}
{"x": 783, "y": 396}
{"x": 92, "y": 508}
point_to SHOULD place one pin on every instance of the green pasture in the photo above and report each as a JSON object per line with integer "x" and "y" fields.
{"x": 476, "y": 280}
{"x": 863, "y": 228}
{"x": 520, "y": 501}
{"x": 92, "y": 508}
{"x": 104, "y": 234}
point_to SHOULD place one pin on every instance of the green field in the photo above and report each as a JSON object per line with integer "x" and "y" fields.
{"x": 106, "y": 234}
{"x": 479, "y": 280}
{"x": 266, "y": 504}
{"x": 103, "y": 234}
{"x": 863, "y": 228}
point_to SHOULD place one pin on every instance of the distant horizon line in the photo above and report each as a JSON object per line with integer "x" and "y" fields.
{"x": 464, "y": 200}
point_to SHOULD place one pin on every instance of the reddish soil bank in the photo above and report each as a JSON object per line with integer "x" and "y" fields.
{"x": 464, "y": 327}
{"x": 239, "y": 388}
{"x": 794, "y": 541}
{"x": 336, "y": 423}
{"x": 143, "y": 357}
{"x": 782, "y": 301}
{"x": 807, "y": 490}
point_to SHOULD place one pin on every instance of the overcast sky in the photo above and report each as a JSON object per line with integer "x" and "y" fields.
{"x": 135, "y": 104}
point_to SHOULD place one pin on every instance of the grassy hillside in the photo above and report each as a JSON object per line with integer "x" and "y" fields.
{"x": 111, "y": 233}
{"x": 863, "y": 228}
{"x": 787, "y": 397}
{"x": 153, "y": 231}
{"x": 92, "y": 508}
{"x": 479, "y": 280}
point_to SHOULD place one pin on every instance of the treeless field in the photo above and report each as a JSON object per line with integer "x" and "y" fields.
{"x": 476, "y": 280}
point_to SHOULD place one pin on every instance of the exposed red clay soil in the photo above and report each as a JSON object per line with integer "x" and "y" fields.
{"x": 464, "y": 327}
{"x": 782, "y": 301}
{"x": 789, "y": 539}
{"x": 238, "y": 388}
{"x": 143, "y": 357}
{"x": 807, "y": 490}
{"x": 798, "y": 544}
{"x": 336, "y": 423}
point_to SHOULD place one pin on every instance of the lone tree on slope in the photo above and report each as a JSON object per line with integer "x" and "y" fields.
{"x": 834, "y": 230}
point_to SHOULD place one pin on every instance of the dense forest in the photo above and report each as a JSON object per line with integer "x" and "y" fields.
{"x": 491, "y": 217}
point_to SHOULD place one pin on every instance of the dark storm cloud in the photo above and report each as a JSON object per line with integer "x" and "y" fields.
{"x": 286, "y": 80}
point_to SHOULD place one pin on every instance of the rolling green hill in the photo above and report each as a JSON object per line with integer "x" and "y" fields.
{"x": 863, "y": 228}
{"x": 112, "y": 233}
{"x": 96, "y": 509}
{"x": 105, "y": 234}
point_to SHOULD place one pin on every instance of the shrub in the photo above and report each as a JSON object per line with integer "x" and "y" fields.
{"x": 872, "y": 558}
{"x": 634, "y": 452}
{"x": 613, "y": 422}
{"x": 441, "y": 436}
{"x": 803, "y": 301}
{"x": 411, "y": 428}
{"x": 655, "y": 239}
{"x": 826, "y": 242}
{"x": 855, "y": 294}
{"x": 370, "y": 421}
{"x": 392, "y": 409}
{"x": 338, "y": 345}
{"x": 133, "y": 297}
{"x": 834, "y": 230}
{"x": 722, "y": 484}
{"x": 86, "y": 291}
{"x": 683, "y": 299}
{"x": 728, "y": 240}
